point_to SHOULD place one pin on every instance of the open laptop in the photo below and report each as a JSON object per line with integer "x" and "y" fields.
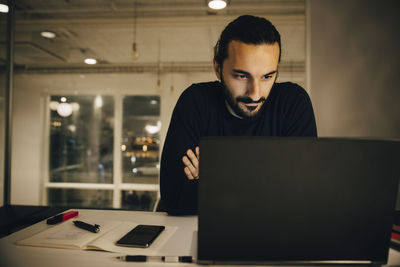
{"x": 266, "y": 200}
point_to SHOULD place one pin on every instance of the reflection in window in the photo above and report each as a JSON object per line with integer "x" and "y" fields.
{"x": 81, "y": 158}
{"x": 141, "y": 139}
{"x": 138, "y": 200}
{"x": 80, "y": 198}
{"x": 140, "y": 149}
{"x": 81, "y": 139}
{"x": 81, "y": 149}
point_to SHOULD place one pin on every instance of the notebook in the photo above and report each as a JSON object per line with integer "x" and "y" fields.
{"x": 266, "y": 200}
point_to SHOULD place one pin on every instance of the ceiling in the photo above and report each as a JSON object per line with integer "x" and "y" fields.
{"x": 172, "y": 35}
{"x": 89, "y": 9}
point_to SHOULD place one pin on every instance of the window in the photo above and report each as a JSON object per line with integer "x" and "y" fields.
{"x": 84, "y": 171}
{"x": 140, "y": 149}
{"x": 81, "y": 150}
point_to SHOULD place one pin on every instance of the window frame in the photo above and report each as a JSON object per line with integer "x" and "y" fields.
{"x": 117, "y": 186}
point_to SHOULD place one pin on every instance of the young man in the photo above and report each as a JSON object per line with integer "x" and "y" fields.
{"x": 245, "y": 101}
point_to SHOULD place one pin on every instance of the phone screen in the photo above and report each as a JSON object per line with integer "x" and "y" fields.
{"x": 141, "y": 236}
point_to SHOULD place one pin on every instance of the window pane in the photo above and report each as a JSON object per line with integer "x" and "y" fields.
{"x": 80, "y": 198}
{"x": 141, "y": 139}
{"x": 81, "y": 139}
{"x": 138, "y": 200}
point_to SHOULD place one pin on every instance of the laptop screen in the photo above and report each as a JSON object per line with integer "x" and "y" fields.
{"x": 296, "y": 200}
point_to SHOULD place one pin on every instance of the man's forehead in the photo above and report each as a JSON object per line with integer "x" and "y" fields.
{"x": 241, "y": 47}
{"x": 248, "y": 56}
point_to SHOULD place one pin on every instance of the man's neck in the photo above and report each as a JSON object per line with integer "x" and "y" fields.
{"x": 231, "y": 110}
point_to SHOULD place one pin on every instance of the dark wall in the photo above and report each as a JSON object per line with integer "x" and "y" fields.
{"x": 354, "y": 66}
{"x": 3, "y": 74}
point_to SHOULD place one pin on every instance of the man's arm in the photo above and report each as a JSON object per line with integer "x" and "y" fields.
{"x": 178, "y": 193}
{"x": 299, "y": 114}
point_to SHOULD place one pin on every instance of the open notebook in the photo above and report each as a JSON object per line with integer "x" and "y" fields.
{"x": 66, "y": 235}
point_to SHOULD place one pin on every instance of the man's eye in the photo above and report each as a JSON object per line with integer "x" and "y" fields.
{"x": 266, "y": 77}
{"x": 240, "y": 76}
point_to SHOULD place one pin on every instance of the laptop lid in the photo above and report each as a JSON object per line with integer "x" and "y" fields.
{"x": 266, "y": 200}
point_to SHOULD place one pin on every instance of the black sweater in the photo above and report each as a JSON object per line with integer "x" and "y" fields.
{"x": 201, "y": 111}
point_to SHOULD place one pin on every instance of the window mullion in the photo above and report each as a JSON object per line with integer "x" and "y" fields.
{"x": 45, "y": 153}
{"x": 117, "y": 164}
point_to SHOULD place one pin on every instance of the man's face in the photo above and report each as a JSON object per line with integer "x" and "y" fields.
{"x": 248, "y": 75}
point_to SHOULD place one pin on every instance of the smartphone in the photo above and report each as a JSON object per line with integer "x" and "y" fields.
{"x": 141, "y": 236}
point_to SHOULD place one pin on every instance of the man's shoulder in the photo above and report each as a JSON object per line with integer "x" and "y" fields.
{"x": 289, "y": 91}
{"x": 289, "y": 88}
{"x": 204, "y": 88}
{"x": 201, "y": 93}
{"x": 199, "y": 96}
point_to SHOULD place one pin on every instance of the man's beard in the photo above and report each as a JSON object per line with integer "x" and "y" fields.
{"x": 234, "y": 103}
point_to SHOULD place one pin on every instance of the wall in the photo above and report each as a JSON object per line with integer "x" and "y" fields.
{"x": 3, "y": 75}
{"x": 354, "y": 62}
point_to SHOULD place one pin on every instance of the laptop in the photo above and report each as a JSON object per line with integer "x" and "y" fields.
{"x": 266, "y": 200}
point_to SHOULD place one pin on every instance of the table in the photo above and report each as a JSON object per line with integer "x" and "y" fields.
{"x": 181, "y": 243}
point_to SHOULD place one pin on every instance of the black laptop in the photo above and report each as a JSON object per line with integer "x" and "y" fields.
{"x": 296, "y": 200}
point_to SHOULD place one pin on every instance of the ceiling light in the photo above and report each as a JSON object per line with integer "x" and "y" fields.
{"x": 64, "y": 109}
{"x": 217, "y": 4}
{"x": 3, "y": 8}
{"x": 134, "y": 53}
{"x": 153, "y": 129}
{"x": 98, "y": 102}
{"x": 90, "y": 61}
{"x": 48, "y": 34}
{"x": 72, "y": 128}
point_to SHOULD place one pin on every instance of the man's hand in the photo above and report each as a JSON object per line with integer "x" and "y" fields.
{"x": 191, "y": 162}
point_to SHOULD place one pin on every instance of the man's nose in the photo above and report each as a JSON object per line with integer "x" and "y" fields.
{"x": 254, "y": 89}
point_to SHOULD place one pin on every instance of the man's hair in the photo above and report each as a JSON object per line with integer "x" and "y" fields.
{"x": 249, "y": 30}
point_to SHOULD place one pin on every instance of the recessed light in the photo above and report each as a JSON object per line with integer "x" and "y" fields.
{"x": 90, "y": 61}
{"x": 217, "y": 4}
{"x": 48, "y": 34}
{"x": 3, "y": 8}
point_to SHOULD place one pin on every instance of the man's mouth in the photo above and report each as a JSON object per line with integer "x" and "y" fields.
{"x": 251, "y": 106}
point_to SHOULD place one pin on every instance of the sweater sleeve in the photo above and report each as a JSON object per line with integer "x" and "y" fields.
{"x": 178, "y": 193}
{"x": 299, "y": 114}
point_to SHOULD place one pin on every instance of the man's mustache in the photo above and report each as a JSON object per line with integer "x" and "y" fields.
{"x": 248, "y": 100}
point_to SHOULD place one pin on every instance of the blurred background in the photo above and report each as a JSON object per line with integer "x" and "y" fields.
{"x": 95, "y": 83}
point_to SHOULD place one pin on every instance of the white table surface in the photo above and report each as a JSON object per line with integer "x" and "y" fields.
{"x": 183, "y": 242}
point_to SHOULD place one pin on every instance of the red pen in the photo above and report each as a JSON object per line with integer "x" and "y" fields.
{"x": 62, "y": 217}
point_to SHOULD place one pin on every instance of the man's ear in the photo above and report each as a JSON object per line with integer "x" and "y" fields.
{"x": 217, "y": 69}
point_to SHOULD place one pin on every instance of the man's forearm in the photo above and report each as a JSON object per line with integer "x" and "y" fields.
{"x": 182, "y": 201}
{"x": 178, "y": 193}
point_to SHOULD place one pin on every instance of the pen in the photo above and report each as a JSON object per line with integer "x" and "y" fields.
{"x": 143, "y": 258}
{"x": 62, "y": 217}
{"x": 89, "y": 227}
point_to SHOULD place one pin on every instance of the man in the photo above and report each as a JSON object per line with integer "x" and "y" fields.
{"x": 245, "y": 101}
